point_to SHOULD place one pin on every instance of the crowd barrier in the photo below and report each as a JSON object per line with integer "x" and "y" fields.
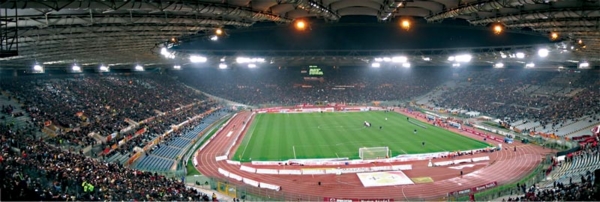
{"x": 324, "y": 171}
{"x": 459, "y": 161}
{"x": 248, "y": 181}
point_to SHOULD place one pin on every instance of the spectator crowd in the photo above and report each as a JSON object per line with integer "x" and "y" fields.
{"x": 503, "y": 94}
{"x": 34, "y": 168}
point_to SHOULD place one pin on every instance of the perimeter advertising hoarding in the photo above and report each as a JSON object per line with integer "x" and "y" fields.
{"x": 474, "y": 189}
{"x": 332, "y": 199}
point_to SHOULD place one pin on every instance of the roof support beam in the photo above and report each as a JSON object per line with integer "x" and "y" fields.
{"x": 482, "y": 7}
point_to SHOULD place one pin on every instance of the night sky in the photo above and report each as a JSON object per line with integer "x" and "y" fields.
{"x": 361, "y": 33}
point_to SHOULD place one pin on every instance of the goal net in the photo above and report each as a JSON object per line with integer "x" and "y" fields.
{"x": 369, "y": 153}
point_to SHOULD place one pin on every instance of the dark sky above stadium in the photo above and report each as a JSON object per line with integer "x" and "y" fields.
{"x": 362, "y": 33}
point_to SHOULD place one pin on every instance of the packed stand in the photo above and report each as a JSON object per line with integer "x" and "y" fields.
{"x": 499, "y": 93}
{"x": 33, "y": 170}
{"x": 82, "y": 105}
{"x": 291, "y": 87}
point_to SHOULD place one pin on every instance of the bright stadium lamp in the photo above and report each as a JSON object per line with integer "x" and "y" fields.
{"x": 498, "y": 28}
{"x": 406, "y": 65}
{"x": 543, "y": 52}
{"x": 222, "y": 66}
{"x": 177, "y": 67}
{"x": 103, "y": 68}
{"x": 455, "y": 64}
{"x": 197, "y": 59}
{"x": 584, "y": 65}
{"x": 520, "y": 55}
{"x": 251, "y": 65}
{"x": 378, "y": 59}
{"x": 76, "y": 68}
{"x": 499, "y": 65}
{"x": 138, "y": 68}
{"x": 530, "y": 65}
{"x": 405, "y": 24}
{"x": 218, "y": 31}
{"x": 399, "y": 59}
{"x": 387, "y": 59}
{"x": 300, "y": 25}
{"x": 451, "y": 58}
{"x": 553, "y": 36}
{"x": 463, "y": 58}
{"x": 214, "y": 38}
{"x": 376, "y": 65}
{"x": 38, "y": 68}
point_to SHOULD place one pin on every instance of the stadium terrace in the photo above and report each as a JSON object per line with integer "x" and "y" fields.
{"x": 337, "y": 100}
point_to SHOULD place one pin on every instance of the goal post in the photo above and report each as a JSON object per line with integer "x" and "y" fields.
{"x": 369, "y": 153}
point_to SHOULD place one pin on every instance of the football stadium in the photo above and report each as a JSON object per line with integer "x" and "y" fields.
{"x": 299, "y": 100}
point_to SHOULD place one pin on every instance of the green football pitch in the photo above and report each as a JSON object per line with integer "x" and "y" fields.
{"x": 276, "y": 137}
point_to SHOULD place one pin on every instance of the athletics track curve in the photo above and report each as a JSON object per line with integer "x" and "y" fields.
{"x": 506, "y": 166}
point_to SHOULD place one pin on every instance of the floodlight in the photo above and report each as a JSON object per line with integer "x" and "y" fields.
{"x": 76, "y": 68}
{"x": 406, "y": 65}
{"x": 399, "y": 59}
{"x": 520, "y": 55}
{"x": 164, "y": 51}
{"x": 214, "y": 38}
{"x": 38, "y": 68}
{"x": 499, "y": 65}
{"x": 502, "y": 55}
{"x": 553, "y": 36}
{"x": 426, "y": 58}
{"x": 405, "y": 24}
{"x": 456, "y": 65}
{"x": 498, "y": 29}
{"x": 530, "y": 65}
{"x": 387, "y": 59}
{"x": 251, "y": 65}
{"x": 139, "y": 68}
{"x": 222, "y": 66}
{"x": 580, "y": 41}
{"x": 378, "y": 59}
{"x": 218, "y": 31}
{"x": 543, "y": 52}
{"x": 451, "y": 58}
{"x": 197, "y": 59}
{"x": 103, "y": 68}
{"x": 176, "y": 67}
{"x": 584, "y": 65}
{"x": 463, "y": 58}
{"x": 300, "y": 25}
{"x": 376, "y": 65}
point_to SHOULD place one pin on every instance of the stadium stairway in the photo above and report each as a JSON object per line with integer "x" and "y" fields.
{"x": 573, "y": 170}
{"x": 162, "y": 158}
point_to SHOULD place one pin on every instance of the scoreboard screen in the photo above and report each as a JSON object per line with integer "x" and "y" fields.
{"x": 314, "y": 70}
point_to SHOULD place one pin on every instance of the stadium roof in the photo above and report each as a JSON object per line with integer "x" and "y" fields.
{"x": 124, "y": 32}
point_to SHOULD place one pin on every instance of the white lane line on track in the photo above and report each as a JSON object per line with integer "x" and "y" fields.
{"x": 294, "y": 148}
{"x": 229, "y": 134}
{"x": 249, "y": 138}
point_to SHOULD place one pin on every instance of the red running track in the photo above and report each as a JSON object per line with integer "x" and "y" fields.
{"x": 504, "y": 167}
